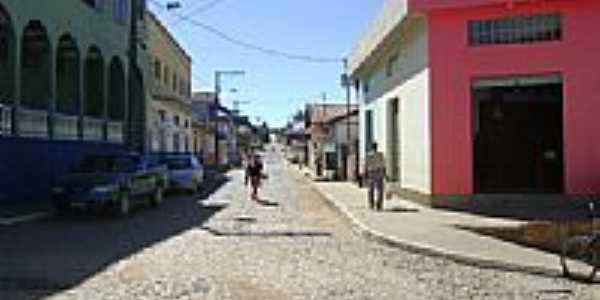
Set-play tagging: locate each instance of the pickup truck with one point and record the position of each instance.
(114, 182)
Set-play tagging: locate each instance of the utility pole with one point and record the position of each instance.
(218, 75)
(217, 108)
(134, 106)
(346, 84)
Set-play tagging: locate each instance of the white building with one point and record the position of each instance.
(390, 66)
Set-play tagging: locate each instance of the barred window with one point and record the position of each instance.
(157, 69)
(515, 30)
(390, 68)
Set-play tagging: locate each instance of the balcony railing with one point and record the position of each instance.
(115, 132)
(33, 123)
(5, 120)
(65, 127)
(93, 129)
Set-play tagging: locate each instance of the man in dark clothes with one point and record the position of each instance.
(254, 173)
(376, 178)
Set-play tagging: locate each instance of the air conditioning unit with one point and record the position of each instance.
(5, 120)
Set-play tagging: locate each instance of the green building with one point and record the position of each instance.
(67, 85)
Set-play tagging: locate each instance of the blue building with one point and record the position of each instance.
(68, 88)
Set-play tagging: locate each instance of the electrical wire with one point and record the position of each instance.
(198, 10)
(252, 46)
(255, 47)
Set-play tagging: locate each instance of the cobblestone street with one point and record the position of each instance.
(292, 245)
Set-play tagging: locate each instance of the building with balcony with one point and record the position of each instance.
(482, 96)
(204, 112)
(170, 128)
(64, 87)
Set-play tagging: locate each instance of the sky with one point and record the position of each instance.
(273, 87)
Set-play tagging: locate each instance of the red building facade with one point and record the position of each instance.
(517, 81)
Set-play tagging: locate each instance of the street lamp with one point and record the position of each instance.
(346, 84)
(218, 75)
(173, 5)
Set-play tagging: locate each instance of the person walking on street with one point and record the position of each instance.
(375, 178)
(254, 174)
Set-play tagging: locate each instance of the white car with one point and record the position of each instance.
(185, 172)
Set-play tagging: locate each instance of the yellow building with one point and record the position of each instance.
(170, 111)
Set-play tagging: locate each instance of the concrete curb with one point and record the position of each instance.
(429, 250)
(25, 218)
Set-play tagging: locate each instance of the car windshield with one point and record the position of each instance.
(179, 163)
(104, 164)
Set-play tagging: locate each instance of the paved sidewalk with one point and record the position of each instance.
(426, 230)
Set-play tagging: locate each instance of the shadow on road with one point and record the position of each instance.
(521, 207)
(265, 234)
(267, 203)
(214, 183)
(48, 257)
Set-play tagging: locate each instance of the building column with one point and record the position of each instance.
(81, 96)
(107, 77)
(125, 120)
(17, 87)
(53, 94)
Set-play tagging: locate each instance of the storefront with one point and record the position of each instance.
(483, 96)
(513, 97)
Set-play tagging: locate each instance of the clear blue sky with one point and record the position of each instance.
(275, 86)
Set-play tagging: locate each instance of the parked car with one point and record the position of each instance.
(186, 172)
(160, 169)
(115, 182)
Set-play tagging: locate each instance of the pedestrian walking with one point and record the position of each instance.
(375, 178)
(254, 175)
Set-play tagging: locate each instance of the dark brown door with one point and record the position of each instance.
(519, 139)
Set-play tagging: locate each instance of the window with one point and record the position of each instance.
(35, 45)
(162, 116)
(91, 3)
(187, 124)
(97, 4)
(174, 82)
(390, 68)
(157, 69)
(175, 142)
(515, 30)
(167, 76)
(4, 43)
(369, 129)
(182, 85)
(141, 9)
(120, 12)
(176, 120)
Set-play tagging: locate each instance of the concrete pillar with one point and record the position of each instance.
(81, 94)
(126, 121)
(53, 91)
(105, 100)
(17, 85)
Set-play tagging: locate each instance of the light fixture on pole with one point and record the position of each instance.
(346, 84)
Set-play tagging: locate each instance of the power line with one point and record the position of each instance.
(198, 10)
(252, 46)
(255, 47)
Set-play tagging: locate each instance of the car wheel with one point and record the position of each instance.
(123, 207)
(194, 189)
(157, 197)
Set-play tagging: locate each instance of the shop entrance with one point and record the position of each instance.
(518, 135)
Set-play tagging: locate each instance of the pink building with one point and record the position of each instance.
(501, 97)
